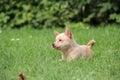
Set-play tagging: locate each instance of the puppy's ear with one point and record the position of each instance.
(68, 33)
(56, 32)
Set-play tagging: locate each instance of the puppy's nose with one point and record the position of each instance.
(53, 45)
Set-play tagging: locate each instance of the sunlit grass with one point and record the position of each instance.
(30, 52)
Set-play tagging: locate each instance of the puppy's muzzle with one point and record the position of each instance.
(53, 45)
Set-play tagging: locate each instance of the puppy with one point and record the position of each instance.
(66, 43)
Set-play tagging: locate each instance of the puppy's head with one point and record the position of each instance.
(63, 40)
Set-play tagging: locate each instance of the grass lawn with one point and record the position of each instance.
(29, 51)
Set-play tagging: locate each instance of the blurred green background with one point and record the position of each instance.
(57, 13)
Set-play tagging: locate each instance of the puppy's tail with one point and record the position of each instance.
(91, 43)
(21, 76)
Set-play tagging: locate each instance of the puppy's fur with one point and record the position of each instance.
(70, 49)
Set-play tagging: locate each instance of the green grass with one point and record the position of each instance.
(33, 55)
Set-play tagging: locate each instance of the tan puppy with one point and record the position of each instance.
(70, 49)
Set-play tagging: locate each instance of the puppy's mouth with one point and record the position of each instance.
(55, 47)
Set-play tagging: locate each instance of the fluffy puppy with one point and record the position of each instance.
(66, 43)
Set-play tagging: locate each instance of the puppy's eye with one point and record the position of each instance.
(60, 39)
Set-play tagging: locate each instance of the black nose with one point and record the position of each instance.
(53, 45)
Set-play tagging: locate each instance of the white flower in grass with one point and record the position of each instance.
(12, 39)
(17, 39)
